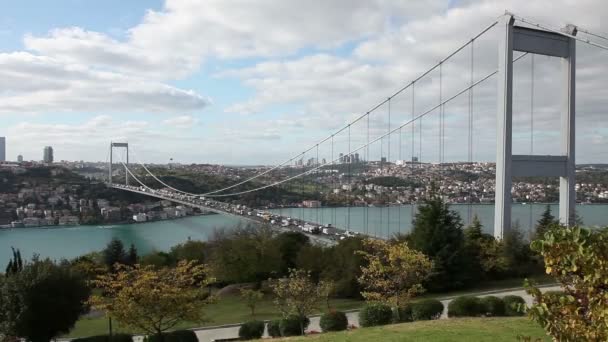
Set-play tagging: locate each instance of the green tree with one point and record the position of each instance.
(190, 250)
(251, 298)
(482, 250)
(290, 244)
(132, 257)
(546, 222)
(393, 273)
(437, 233)
(297, 295)
(154, 300)
(576, 257)
(114, 253)
(244, 255)
(42, 301)
(15, 264)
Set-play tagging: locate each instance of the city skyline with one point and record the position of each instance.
(243, 97)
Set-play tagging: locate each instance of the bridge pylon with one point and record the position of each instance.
(534, 41)
(119, 145)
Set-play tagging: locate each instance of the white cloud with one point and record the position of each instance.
(184, 121)
(38, 84)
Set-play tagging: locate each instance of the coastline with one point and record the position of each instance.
(124, 222)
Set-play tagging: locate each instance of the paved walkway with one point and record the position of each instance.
(232, 331)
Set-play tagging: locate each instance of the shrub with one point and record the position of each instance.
(333, 321)
(403, 314)
(465, 306)
(175, 336)
(293, 325)
(512, 304)
(274, 328)
(375, 314)
(493, 306)
(106, 338)
(251, 330)
(426, 309)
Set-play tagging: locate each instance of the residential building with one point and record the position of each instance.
(2, 149)
(48, 155)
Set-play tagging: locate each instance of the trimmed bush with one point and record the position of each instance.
(493, 306)
(426, 309)
(333, 321)
(375, 314)
(403, 314)
(106, 338)
(511, 305)
(175, 336)
(251, 330)
(293, 325)
(465, 306)
(274, 328)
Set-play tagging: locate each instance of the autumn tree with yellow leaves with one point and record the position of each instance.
(578, 259)
(154, 300)
(393, 272)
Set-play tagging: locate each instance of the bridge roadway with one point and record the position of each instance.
(222, 208)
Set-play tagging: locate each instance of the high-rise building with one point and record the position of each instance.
(48, 155)
(20, 159)
(2, 149)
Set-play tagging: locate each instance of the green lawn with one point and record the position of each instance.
(227, 310)
(445, 330)
(231, 309)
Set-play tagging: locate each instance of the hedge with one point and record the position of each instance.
(274, 328)
(426, 309)
(251, 330)
(333, 321)
(175, 336)
(465, 306)
(512, 305)
(106, 338)
(293, 325)
(493, 306)
(375, 314)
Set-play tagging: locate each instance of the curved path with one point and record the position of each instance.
(232, 331)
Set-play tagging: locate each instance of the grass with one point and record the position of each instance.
(497, 329)
(231, 309)
(227, 310)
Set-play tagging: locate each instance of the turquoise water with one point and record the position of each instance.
(385, 221)
(69, 242)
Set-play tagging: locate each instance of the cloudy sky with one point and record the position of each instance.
(255, 82)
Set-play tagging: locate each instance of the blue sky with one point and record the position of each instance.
(242, 82)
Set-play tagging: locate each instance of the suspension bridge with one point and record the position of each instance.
(412, 129)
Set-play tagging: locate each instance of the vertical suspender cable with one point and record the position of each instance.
(413, 141)
(470, 157)
(388, 168)
(367, 165)
(350, 185)
(399, 202)
(440, 171)
(335, 181)
(317, 185)
(531, 227)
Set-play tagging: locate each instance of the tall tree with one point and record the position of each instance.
(393, 273)
(42, 301)
(132, 257)
(546, 222)
(114, 253)
(15, 264)
(437, 233)
(154, 300)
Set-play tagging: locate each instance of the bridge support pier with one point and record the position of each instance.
(112, 145)
(524, 39)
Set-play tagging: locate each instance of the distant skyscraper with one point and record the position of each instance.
(20, 158)
(2, 149)
(48, 155)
